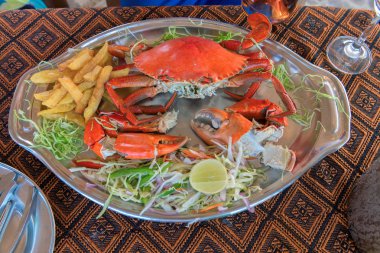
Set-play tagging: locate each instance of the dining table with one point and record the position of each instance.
(308, 216)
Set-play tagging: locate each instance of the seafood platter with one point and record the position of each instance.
(179, 119)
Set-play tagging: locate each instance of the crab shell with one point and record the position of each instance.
(190, 59)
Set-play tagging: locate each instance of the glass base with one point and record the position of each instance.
(346, 56)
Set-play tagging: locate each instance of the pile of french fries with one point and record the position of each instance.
(78, 85)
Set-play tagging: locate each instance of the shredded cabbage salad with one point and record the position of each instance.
(164, 183)
(62, 138)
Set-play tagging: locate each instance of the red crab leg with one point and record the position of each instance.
(119, 51)
(286, 99)
(147, 146)
(250, 92)
(256, 55)
(153, 109)
(233, 45)
(127, 81)
(255, 64)
(123, 125)
(130, 66)
(260, 30)
(140, 94)
(131, 81)
(239, 80)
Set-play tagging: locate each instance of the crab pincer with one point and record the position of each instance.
(216, 125)
(147, 146)
(261, 28)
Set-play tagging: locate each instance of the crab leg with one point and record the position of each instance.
(123, 82)
(130, 66)
(119, 51)
(255, 64)
(280, 90)
(153, 109)
(241, 79)
(286, 99)
(147, 146)
(115, 121)
(260, 30)
(250, 92)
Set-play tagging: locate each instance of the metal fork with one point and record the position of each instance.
(8, 185)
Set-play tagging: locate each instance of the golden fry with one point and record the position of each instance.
(62, 66)
(42, 96)
(67, 99)
(46, 76)
(84, 101)
(71, 88)
(97, 93)
(92, 75)
(69, 73)
(98, 58)
(81, 59)
(119, 73)
(57, 109)
(57, 95)
(86, 85)
(70, 116)
(107, 60)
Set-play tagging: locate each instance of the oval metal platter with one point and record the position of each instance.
(39, 233)
(310, 145)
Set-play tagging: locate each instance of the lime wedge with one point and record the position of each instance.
(208, 176)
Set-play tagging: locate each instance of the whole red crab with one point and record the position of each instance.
(192, 67)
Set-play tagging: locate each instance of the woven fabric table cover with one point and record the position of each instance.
(309, 216)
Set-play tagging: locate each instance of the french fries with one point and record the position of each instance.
(77, 85)
(43, 96)
(81, 59)
(119, 73)
(93, 75)
(71, 88)
(67, 99)
(57, 109)
(46, 76)
(84, 101)
(57, 95)
(70, 116)
(97, 93)
(100, 57)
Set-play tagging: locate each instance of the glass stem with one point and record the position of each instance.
(362, 38)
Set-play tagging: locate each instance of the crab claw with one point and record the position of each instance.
(213, 124)
(260, 30)
(260, 110)
(96, 139)
(147, 146)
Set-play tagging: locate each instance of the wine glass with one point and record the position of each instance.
(351, 55)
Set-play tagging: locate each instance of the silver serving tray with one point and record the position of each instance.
(39, 233)
(310, 146)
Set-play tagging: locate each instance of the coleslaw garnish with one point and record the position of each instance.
(165, 184)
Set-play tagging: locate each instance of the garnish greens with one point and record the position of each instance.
(161, 184)
(64, 139)
(175, 32)
(305, 116)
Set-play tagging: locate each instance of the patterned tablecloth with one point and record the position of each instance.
(308, 216)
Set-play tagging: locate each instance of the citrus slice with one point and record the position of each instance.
(208, 176)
